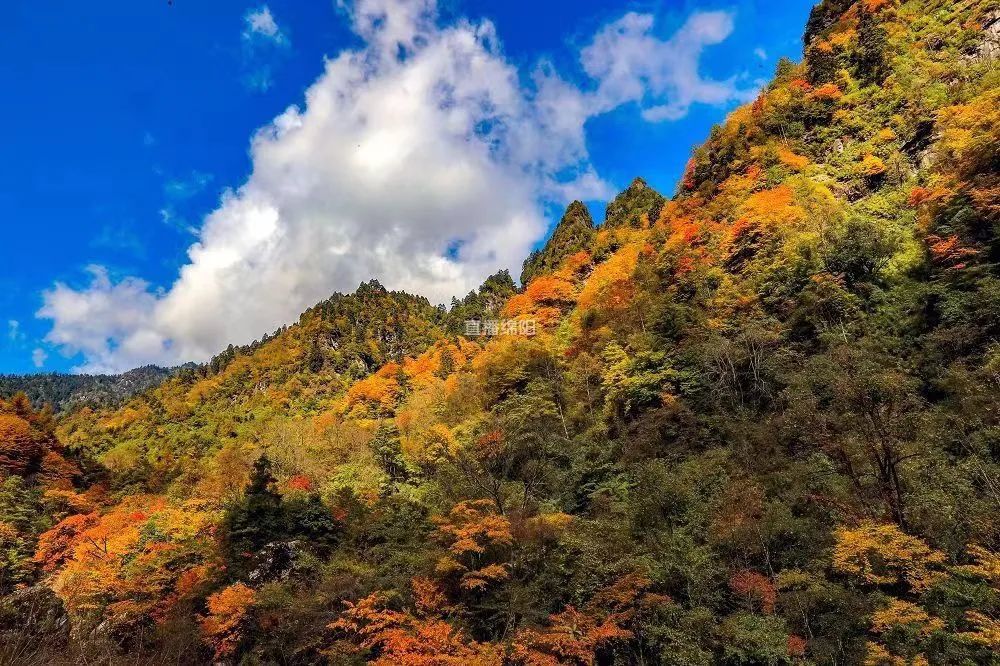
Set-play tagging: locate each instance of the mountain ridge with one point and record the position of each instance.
(749, 424)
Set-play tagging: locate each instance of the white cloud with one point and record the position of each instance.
(38, 357)
(264, 42)
(424, 139)
(14, 330)
(109, 323)
(632, 64)
(760, 53)
(169, 216)
(260, 78)
(260, 24)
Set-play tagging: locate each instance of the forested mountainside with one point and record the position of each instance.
(755, 423)
(63, 391)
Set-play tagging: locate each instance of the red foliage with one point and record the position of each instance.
(572, 637)
(300, 482)
(477, 538)
(227, 616)
(549, 290)
(796, 646)
(828, 91)
(57, 472)
(577, 263)
(427, 597)
(800, 84)
(757, 589)
(399, 639)
(474, 526)
(56, 546)
(687, 182)
(876, 5)
(949, 252)
(922, 195)
(490, 446)
(18, 448)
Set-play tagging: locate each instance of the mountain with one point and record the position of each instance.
(753, 423)
(573, 233)
(67, 391)
(636, 207)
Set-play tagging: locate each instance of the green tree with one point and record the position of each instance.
(257, 518)
(870, 55)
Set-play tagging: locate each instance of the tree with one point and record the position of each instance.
(386, 447)
(573, 233)
(397, 638)
(228, 615)
(307, 517)
(477, 538)
(881, 554)
(132, 565)
(870, 54)
(20, 451)
(314, 358)
(258, 518)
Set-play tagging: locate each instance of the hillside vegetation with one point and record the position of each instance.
(64, 392)
(757, 423)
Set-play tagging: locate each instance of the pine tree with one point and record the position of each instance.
(258, 518)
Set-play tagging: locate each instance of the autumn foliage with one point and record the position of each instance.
(228, 612)
(756, 423)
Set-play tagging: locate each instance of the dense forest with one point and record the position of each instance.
(62, 391)
(754, 423)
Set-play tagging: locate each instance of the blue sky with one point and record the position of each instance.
(127, 121)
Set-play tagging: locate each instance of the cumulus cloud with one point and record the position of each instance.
(109, 323)
(422, 159)
(38, 357)
(14, 333)
(662, 75)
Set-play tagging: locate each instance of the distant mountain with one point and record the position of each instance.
(64, 391)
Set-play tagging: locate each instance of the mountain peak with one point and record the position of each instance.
(572, 234)
(636, 206)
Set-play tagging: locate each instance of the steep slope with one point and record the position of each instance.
(637, 206)
(574, 232)
(756, 423)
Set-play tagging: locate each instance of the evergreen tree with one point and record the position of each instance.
(258, 518)
(870, 57)
(388, 452)
(314, 358)
(308, 518)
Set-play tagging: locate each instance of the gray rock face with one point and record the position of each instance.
(275, 561)
(990, 48)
